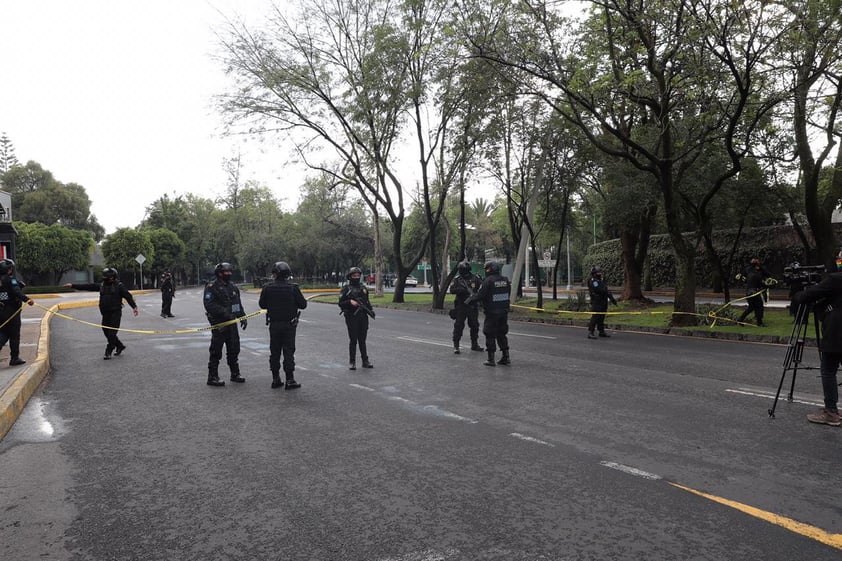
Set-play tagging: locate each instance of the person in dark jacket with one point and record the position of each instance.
(464, 285)
(11, 299)
(112, 292)
(600, 296)
(356, 307)
(282, 301)
(494, 294)
(222, 303)
(755, 276)
(167, 294)
(828, 297)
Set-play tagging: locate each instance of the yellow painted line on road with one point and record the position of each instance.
(817, 534)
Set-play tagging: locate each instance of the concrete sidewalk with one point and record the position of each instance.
(19, 383)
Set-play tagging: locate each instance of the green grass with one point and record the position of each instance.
(575, 310)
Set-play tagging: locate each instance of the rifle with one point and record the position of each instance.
(364, 307)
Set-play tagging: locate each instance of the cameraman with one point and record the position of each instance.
(829, 292)
(755, 276)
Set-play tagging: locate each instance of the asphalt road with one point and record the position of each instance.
(581, 450)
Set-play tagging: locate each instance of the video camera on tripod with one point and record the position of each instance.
(798, 277)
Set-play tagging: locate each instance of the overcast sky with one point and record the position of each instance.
(117, 96)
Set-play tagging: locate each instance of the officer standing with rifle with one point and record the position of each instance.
(463, 286)
(282, 301)
(355, 305)
(757, 279)
(494, 294)
(222, 303)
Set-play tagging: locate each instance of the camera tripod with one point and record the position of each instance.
(795, 350)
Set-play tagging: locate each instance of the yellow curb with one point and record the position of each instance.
(16, 396)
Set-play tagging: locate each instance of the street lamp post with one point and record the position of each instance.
(568, 259)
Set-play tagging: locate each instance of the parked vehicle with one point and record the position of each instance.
(411, 281)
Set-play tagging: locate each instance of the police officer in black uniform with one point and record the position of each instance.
(600, 295)
(464, 285)
(11, 298)
(755, 276)
(112, 292)
(167, 294)
(222, 303)
(355, 305)
(494, 294)
(282, 301)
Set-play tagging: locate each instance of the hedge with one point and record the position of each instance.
(776, 246)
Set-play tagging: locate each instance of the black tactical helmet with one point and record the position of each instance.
(353, 270)
(6, 265)
(223, 268)
(109, 273)
(492, 268)
(595, 271)
(464, 268)
(281, 268)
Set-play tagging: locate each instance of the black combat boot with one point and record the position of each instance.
(490, 361)
(367, 364)
(505, 359)
(475, 346)
(235, 374)
(291, 383)
(213, 378)
(352, 365)
(456, 346)
(276, 380)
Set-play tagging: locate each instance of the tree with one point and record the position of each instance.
(45, 253)
(38, 197)
(8, 160)
(168, 250)
(654, 83)
(813, 53)
(121, 247)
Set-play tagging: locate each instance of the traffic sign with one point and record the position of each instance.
(548, 263)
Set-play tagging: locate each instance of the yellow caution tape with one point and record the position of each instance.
(11, 317)
(153, 331)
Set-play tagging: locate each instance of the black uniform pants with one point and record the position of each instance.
(166, 303)
(357, 324)
(11, 333)
(281, 341)
(597, 320)
(469, 314)
(755, 304)
(495, 328)
(230, 338)
(111, 319)
(829, 367)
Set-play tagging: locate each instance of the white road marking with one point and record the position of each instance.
(359, 387)
(530, 439)
(772, 396)
(426, 341)
(530, 335)
(630, 470)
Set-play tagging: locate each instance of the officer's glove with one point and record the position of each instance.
(614, 302)
(372, 314)
(244, 323)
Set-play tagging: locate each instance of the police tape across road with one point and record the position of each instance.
(710, 315)
(152, 331)
(713, 314)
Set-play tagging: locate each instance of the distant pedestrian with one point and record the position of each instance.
(494, 294)
(112, 292)
(222, 304)
(355, 305)
(167, 294)
(600, 295)
(465, 285)
(756, 277)
(282, 301)
(11, 299)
